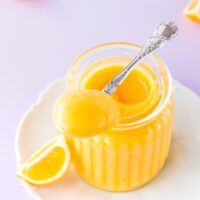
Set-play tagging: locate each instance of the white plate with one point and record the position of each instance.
(179, 179)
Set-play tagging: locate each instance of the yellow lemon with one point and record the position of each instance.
(192, 10)
(48, 164)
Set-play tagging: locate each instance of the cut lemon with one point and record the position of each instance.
(192, 10)
(48, 164)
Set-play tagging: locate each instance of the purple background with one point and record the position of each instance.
(40, 39)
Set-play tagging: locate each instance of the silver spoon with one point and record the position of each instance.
(162, 33)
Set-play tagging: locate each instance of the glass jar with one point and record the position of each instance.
(132, 153)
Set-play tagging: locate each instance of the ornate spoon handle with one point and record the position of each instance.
(162, 33)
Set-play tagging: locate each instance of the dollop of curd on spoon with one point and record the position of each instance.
(85, 113)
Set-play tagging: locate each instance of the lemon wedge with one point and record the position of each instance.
(192, 10)
(48, 164)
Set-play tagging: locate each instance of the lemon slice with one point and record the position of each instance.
(48, 164)
(192, 10)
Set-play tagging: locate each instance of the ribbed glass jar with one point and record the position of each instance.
(131, 154)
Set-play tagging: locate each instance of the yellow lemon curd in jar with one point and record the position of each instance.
(132, 153)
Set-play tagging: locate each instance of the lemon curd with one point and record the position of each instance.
(73, 111)
(132, 153)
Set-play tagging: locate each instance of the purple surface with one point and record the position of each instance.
(40, 39)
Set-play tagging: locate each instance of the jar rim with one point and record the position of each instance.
(102, 47)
